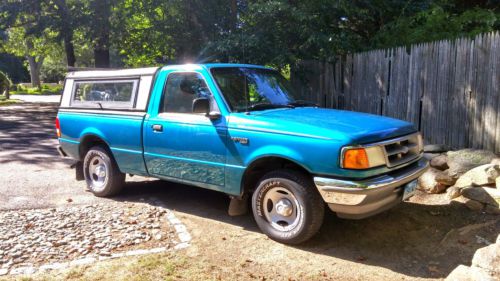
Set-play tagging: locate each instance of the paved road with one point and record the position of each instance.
(38, 98)
(408, 242)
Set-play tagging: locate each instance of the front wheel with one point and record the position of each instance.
(287, 207)
(101, 173)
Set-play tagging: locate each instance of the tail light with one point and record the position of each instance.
(58, 128)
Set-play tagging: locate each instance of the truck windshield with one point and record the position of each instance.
(250, 89)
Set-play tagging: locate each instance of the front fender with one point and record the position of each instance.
(279, 152)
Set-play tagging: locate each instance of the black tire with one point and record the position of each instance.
(99, 159)
(307, 203)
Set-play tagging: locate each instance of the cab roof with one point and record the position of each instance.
(149, 71)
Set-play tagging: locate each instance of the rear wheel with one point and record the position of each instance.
(101, 173)
(287, 207)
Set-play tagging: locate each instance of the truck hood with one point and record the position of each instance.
(346, 126)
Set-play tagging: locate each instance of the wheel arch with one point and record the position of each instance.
(262, 165)
(90, 140)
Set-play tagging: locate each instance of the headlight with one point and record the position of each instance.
(362, 157)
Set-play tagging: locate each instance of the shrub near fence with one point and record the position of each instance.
(449, 89)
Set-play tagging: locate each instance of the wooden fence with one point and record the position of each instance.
(449, 89)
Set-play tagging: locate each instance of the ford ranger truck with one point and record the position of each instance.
(241, 130)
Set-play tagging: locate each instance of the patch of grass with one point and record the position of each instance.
(47, 89)
(154, 267)
(4, 101)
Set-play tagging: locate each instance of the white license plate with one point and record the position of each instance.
(410, 189)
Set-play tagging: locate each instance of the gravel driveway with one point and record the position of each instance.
(418, 239)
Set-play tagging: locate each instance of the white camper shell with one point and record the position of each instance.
(124, 89)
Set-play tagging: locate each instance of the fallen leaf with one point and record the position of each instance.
(361, 258)
(433, 268)
(29, 226)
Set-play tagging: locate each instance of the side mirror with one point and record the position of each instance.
(202, 105)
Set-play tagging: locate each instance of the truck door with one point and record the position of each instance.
(181, 145)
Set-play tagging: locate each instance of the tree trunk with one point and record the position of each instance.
(70, 50)
(102, 12)
(234, 14)
(7, 92)
(34, 67)
(101, 57)
(66, 30)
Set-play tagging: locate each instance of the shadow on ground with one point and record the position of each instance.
(27, 134)
(409, 239)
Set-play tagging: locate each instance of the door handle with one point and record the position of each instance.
(157, 128)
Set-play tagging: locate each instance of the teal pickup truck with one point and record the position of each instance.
(241, 130)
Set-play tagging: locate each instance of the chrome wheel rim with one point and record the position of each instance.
(98, 173)
(281, 209)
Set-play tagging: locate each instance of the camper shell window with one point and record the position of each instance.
(105, 93)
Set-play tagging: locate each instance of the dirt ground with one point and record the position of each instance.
(425, 238)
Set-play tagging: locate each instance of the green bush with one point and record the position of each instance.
(5, 82)
(47, 89)
(52, 73)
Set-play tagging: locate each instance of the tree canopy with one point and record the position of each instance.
(52, 34)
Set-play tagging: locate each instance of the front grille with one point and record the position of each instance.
(402, 150)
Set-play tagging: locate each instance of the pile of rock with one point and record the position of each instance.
(44, 236)
(485, 265)
(468, 176)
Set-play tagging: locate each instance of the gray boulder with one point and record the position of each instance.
(440, 162)
(495, 161)
(461, 161)
(472, 205)
(453, 192)
(486, 195)
(488, 258)
(479, 176)
(427, 182)
(465, 273)
(445, 179)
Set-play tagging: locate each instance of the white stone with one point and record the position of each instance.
(4, 271)
(82, 261)
(136, 252)
(181, 246)
(184, 236)
(180, 228)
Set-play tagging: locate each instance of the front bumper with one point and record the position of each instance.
(364, 198)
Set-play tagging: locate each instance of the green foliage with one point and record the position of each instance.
(53, 73)
(13, 66)
(54, 68)
(282, 32)
(152, 32)
(436, 24)
(278, 33)
(46, 89)
(5, 82)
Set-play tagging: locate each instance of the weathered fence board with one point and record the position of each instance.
(449, 89)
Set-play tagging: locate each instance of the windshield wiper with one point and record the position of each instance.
(303, 103)
(264, 106)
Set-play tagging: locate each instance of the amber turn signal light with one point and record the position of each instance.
(355, 158)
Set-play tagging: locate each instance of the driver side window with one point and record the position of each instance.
(180, 91)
